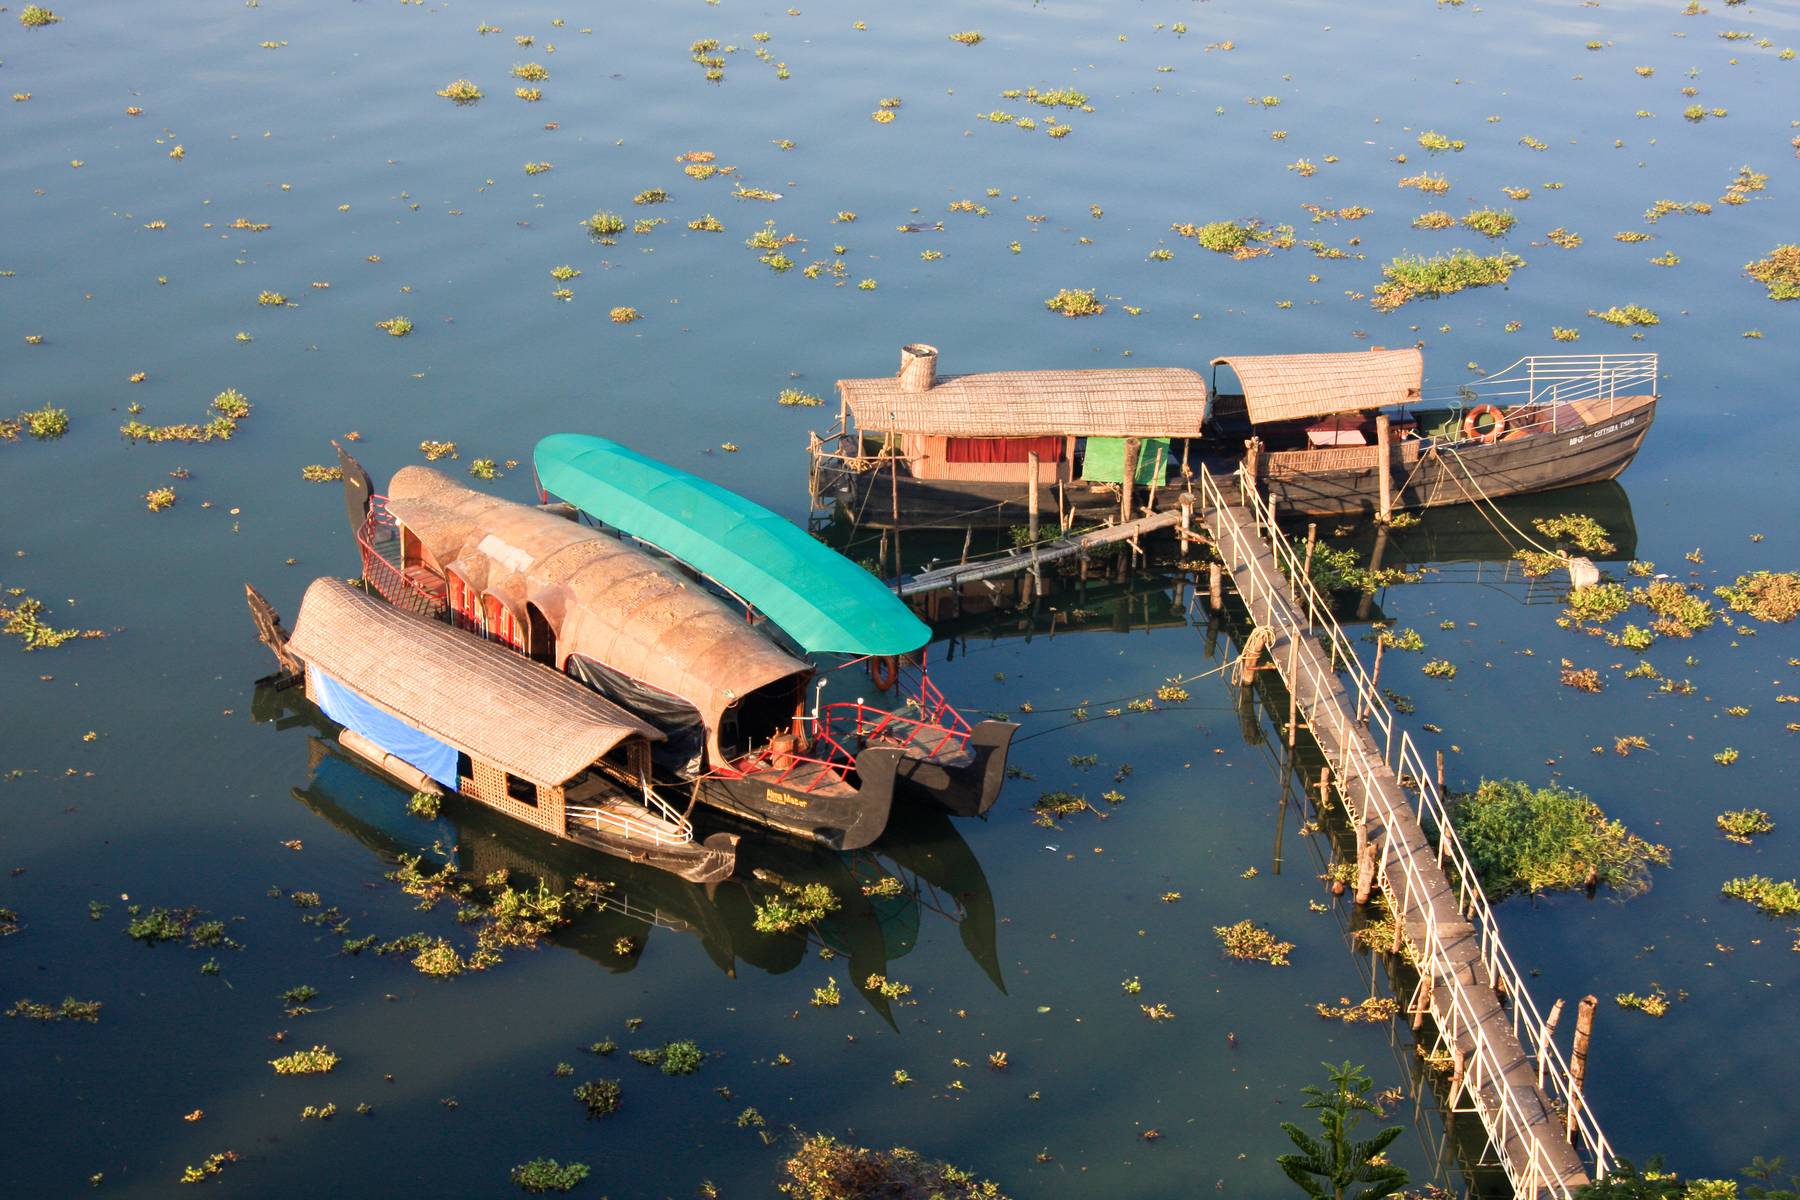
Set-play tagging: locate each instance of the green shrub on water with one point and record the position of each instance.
(1490, 222)
(1075, 302)
(46, 423)
(605, 224)
(33, 16)
(1778, 899)
(317, 1061)
(425, 804)
(1772, 596)
(547, 1175)
(601, 1096)
(1679, 613)
(1249, 941)
(1598, 603)
(1742, 824)
(1525, 839)
(1578, 530)
(1779, 272)
(681, 1058)
(793, 906)
(1630, 314)
(823, 1168)
(1418, 277)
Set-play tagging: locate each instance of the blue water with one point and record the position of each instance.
(181, 798)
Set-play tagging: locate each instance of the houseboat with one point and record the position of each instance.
(1357, 434)
(826, 606)
(730, 704)
(438, 711)
(1351, 433)
(1001, 448)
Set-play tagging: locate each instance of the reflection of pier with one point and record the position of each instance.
(1505, 1067)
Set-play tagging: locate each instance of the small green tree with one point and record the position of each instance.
(1328, 1168)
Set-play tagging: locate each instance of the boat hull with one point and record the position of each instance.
(840, 821)
(970, 787)
(1590, 453)
(706, 861)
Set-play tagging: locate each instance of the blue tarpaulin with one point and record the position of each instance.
(390, 733)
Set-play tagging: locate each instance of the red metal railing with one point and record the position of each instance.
(421, 592)
(785, 765)
(926, 719)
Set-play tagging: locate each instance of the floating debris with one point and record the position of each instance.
(1249, 941)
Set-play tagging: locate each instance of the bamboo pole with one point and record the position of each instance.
(1293, 683)
(1031, 493)
(1385, 467)
(1312, 538)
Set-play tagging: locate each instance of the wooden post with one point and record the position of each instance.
(1293, 683)
(1578, 1056)
(1374, 684)
(1129, 483)
(1031, 494)
(1186, 505)
(1252, 463)
(894, 502)
(1156, 475)
(1423, 1004)
(1440, 787)
(1376, 556)
(1457, 1066)
(812, 470)
(1215, 586)
(1384, 465)
(1544, 1041)
(968, 537)
(1312, 538)
(1365, 863)
(1065, 516)
(1324, 788)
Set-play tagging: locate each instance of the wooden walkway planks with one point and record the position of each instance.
(1474, 995)
(1029, 558)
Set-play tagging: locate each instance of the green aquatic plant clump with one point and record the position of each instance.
(1598, 603)
(34, 16)
(1679, 612)
(1630, 314)
(1772, 596)
(1742, 824)
(1778, 899)
(1251, 942)
(317, 1061)
(604, 224)
(794, 905)
(1418, 277)
(1525, 839)
(1490, 222)
(1075, 302)
(601, 1096)
(1578, 530)
(46, 423)
(1779, 272)
(547, 1175)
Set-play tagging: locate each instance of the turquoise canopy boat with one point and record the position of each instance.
(821, 599)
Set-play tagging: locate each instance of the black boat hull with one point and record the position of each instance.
(838, 822)
(970, 788)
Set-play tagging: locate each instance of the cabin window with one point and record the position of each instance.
(1002, 450)
(521, 790)
(499, 625)
(465, 612)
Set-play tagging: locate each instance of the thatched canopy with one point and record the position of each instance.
(1283, 387)
(607, 600)
(1140, 402)
(493, 705)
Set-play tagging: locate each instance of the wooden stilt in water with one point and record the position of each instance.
(1031, 494)
(968, 537)
(1422, 1004)
(1324, 788)
(1128, 484)
(1440, 784)
(1293, 682)
(1365, 866)
(1366, 704)
(1312, 538)
(1065, 516)
(1578, 1055)
(1215, 586)
(1549, 1033)
(1457, 1067)
(1186, 505)
(1367, 600)
(1384, 460)
(1156, 474)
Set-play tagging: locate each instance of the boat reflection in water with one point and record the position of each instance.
(935, 870)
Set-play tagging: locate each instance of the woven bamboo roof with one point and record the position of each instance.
(1139, 401)
(488, 702)
(1282, 387)
(607, 599)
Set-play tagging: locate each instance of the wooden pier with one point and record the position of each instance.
(1504, 1066)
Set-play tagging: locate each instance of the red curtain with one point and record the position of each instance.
(1002, 450)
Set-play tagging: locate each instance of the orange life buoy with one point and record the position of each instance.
(883, 671)
(1472, 423)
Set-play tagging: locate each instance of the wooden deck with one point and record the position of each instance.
(1505, 1067)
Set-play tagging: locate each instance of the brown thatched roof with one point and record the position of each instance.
(608, 600)
(490, 703)
(1140, 401)
(1282, 387)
